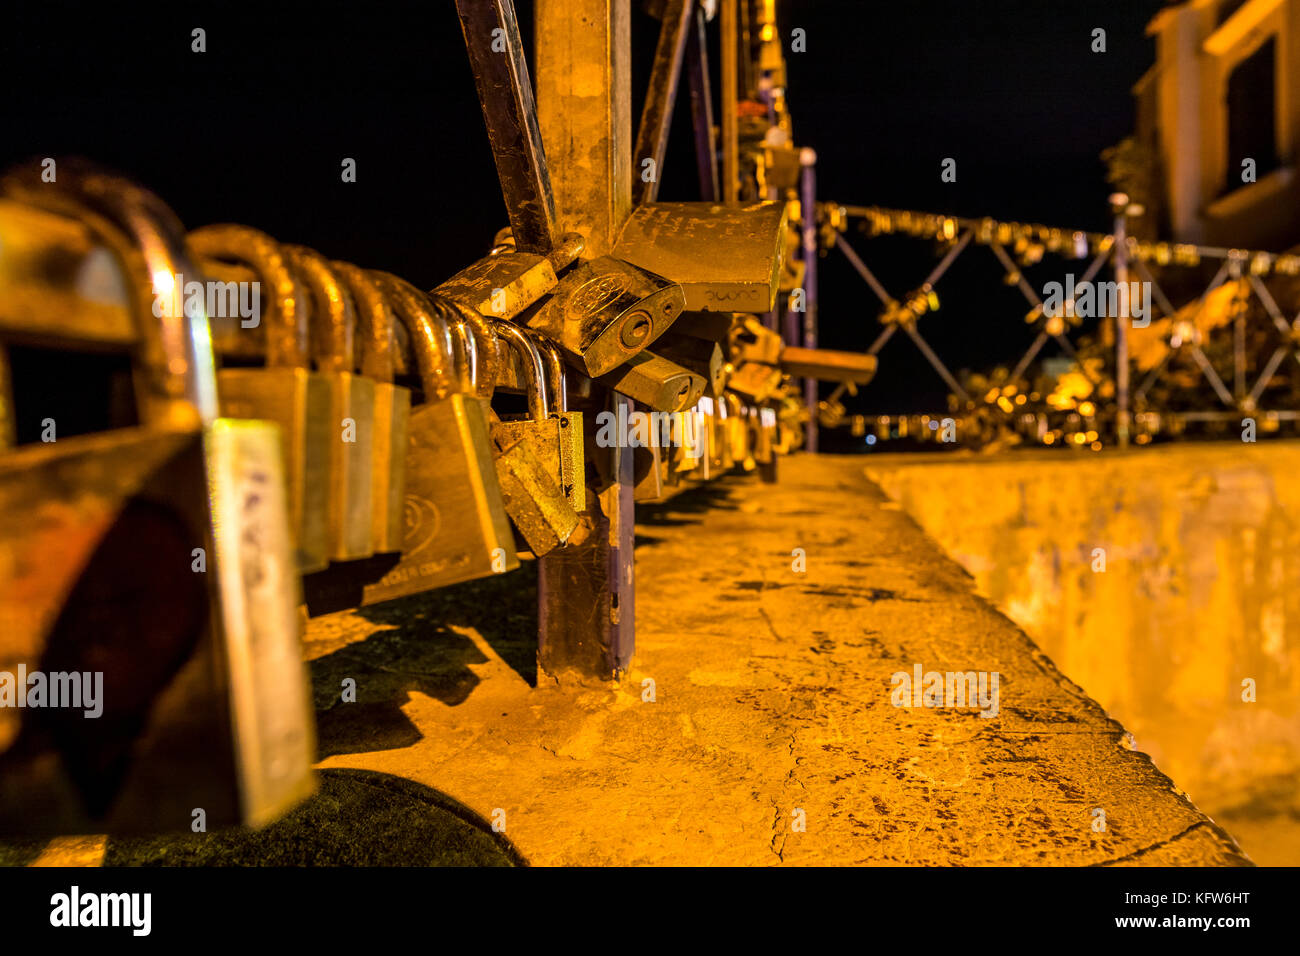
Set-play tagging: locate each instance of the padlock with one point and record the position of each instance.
(719, 438)
(738, 415)
(704, 416)
(149, 568)
(763, 425)
(647, 463)
(392, 407)
(655, 382)
(456, 527)
(568, 460)
(351, 411)
(702, 357)
(505, 283)
(286, 391)
(533, 497)
(605, 311)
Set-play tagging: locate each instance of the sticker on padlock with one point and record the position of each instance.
(392, 408)
(351, 410)
(456, 527)
(285, 391)
(156, 577)
(605, 311)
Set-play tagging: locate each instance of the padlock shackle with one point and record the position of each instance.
(458, 313)
(374, 335)
(531, 364)
(176, 349)
(287, 344)
(430, 336)
(332, 315)
(555, 372)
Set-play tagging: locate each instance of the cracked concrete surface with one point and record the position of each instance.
(771, 707)
(771, 696)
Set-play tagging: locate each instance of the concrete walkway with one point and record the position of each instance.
(772, 706)
(771, 737)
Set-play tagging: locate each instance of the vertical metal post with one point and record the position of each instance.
(706, 148)
(584, 106)
(808, 215)
(1120, 203)
(496, 55)
(730, 103)
(657, 111)
(586, 590)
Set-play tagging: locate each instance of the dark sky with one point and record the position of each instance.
(253, 131)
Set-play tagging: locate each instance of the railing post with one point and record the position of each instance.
(808, 215)
(1119, 204)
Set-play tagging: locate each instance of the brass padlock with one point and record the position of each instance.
(392, 408)
(564, 453)
(147, 574)
(351, 411)
(286, 391)
(647, 465)
(533, 497)
(655, 382)
(704, 415)
(605, 311)
(763, 423)
(456, 527)
(720, 439)
(738, 419)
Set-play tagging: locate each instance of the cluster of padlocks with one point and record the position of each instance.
(337, 440)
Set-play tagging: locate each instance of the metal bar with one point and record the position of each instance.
(1121, 327)
(1025, 288)
(1161, 299)
(881, 339)
(1093, 238)
(1269, 368)
(657, 111)
(584, 105)
(586, 607)
(1270, 305)
(808, 242)
(506, 95)
(1212, 376)
(1154, 374)
(842, 244)
(706, 148)
(935, 362)
(1029, 355)
(730, 105)
(937, 272)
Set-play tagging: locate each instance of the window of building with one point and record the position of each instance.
(1251, 105)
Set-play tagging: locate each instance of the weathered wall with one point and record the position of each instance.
(1201, 590)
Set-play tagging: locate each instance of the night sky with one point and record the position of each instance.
(254, 130)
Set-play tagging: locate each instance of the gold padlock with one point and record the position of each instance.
(392, 407)
(456, 527)
(352, 406)
(560, 443)
(149, 571)
(286, 391)
(533, 498)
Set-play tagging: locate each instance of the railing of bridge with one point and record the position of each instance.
(1146, 367)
